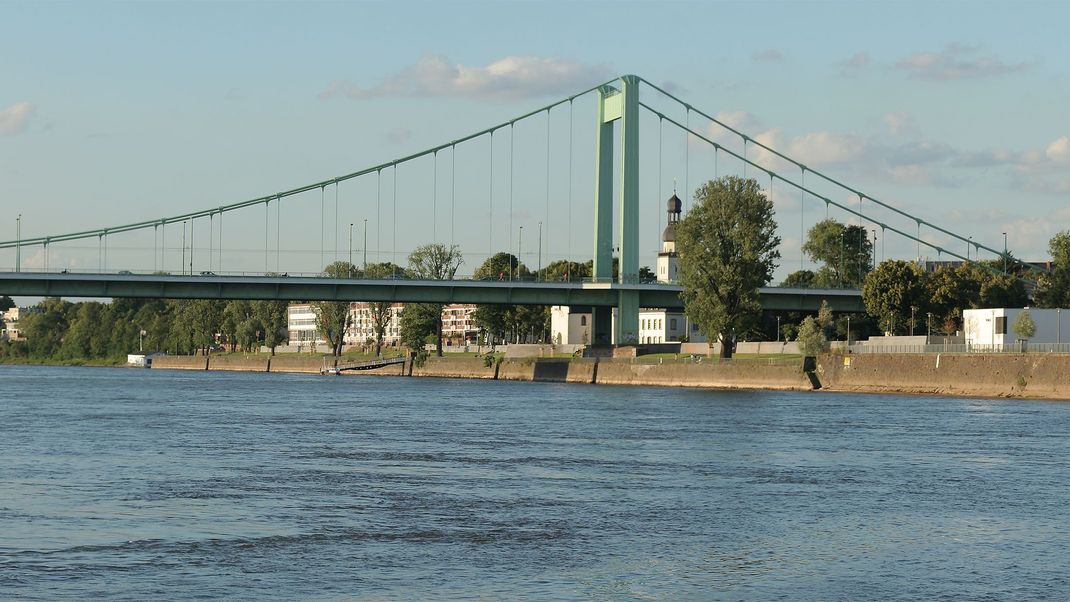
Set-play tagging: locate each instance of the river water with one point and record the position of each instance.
(149, 484)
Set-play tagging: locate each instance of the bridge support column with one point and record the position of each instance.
(615, 104)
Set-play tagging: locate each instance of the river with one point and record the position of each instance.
(149, 484)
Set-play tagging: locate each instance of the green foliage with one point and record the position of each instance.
(1024, 326)
(846, 251)
(727, 248)
(811, 339)
(518, 322)
(891, 290)
(799, 279)
(825, 320)
(6, 303)
(565, 271)
(420, 358)
(418, 321)
(488, 360)
(1053, 288)
(435, 261)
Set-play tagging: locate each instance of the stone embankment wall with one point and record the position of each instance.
(1004, 375)
(1036, 375)
(180, 362)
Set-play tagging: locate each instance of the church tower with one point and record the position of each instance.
(666, 264)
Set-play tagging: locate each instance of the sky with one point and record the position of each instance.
(112, 113)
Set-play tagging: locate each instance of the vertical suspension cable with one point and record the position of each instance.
(211, 239)
(155, 232)
(434, 200)
(744, 157)
(323, 223)
(512, 138)
(336, 220)
(278, 231)
(378, 215)
(490, 202)
(716, 156)
(163, 246)
(394, 220)
(267, 214)
(219, 261)
(802, 215)
(687, 160)
(919, 241)
(568, 268)
(106, 249)
(453, 191)
(661, 189)
(861, 244)
(546, 211)
(100, 253)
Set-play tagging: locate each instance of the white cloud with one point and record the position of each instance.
(506, 78)
(954, 63)
(13, 119)
(900, 124)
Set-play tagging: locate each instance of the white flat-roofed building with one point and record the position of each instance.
(301, 325)
(996, 326)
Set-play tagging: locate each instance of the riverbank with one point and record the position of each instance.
(1037, 376)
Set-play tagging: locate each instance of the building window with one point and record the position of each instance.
(1001, 325)
(672, 324)
(583, 320)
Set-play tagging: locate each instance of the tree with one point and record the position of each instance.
(565, 271)
(6, 303)
(811, 339)
(379, 311)
(333, 317)
(1024, 326)
(891, 290)
(435, 261)
(727, 248)
(418, 322)
(1053, 288)
(846, 251)
(271, 314)
(799, 279)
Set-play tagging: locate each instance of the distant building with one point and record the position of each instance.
(11, 321)
(458, 325)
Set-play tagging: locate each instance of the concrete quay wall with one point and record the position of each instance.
(180, 362)
(1039, 375)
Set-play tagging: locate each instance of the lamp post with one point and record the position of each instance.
(18, 243)
(1004, 252)
(968, 243)
(913, 308)
(841, 259)
(928, 326)
(873, 251)
(778, 329)
(848, 333)
(351, 249)
(519, 251)
(140, 334)
(183, 247)
(1059, 319)
(540, 253)
(365, 245)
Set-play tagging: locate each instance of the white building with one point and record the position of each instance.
(11, 321)
(569, 327)
(301, 325)
(996, 326)
(458, 325)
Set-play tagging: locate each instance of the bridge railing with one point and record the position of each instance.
(963, 348)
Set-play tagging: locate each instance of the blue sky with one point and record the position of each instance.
(118, 112)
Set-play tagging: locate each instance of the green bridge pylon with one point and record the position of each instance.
(614, 104)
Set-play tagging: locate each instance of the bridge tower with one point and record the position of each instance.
(614, 104)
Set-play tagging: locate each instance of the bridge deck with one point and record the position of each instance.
(600, 294)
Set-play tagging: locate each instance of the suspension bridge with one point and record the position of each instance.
(475, 180)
